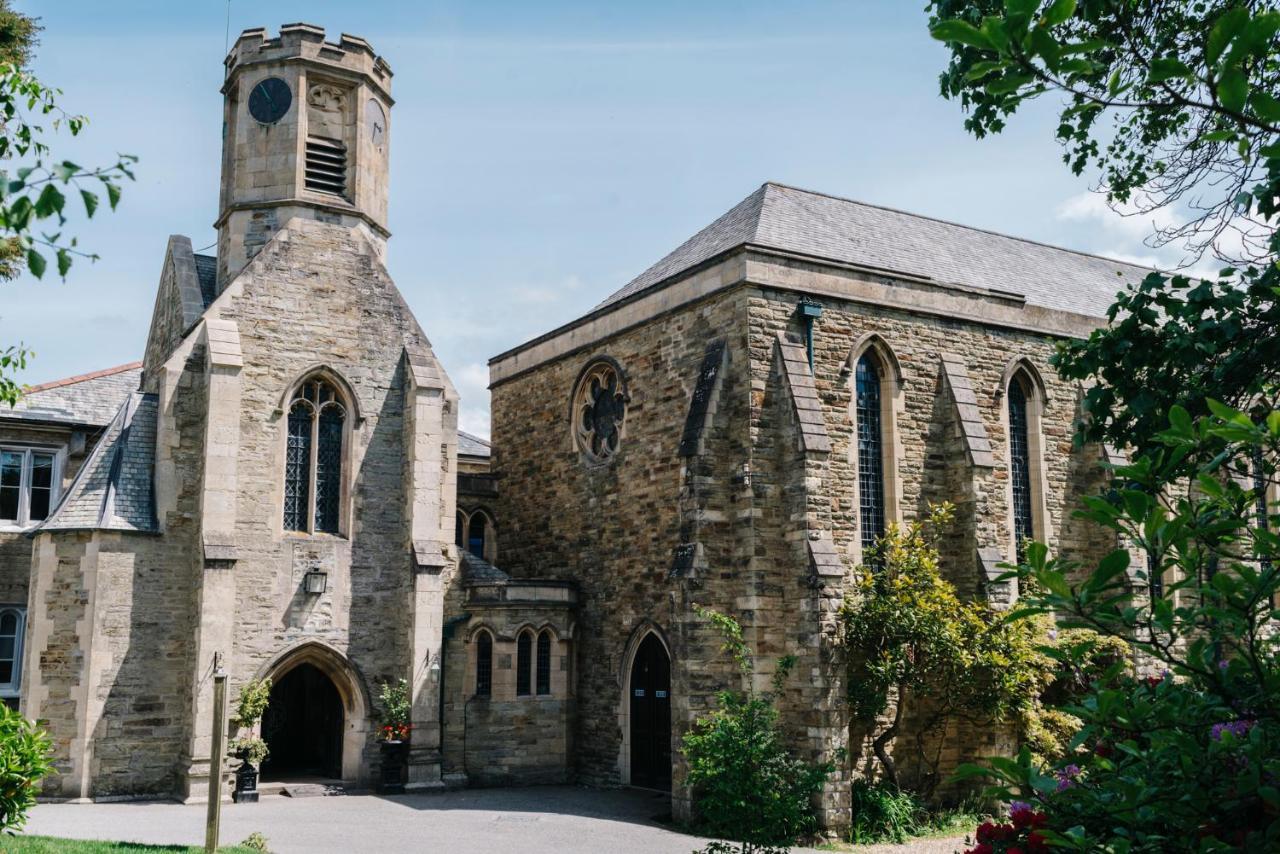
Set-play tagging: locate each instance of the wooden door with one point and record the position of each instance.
(651, 716)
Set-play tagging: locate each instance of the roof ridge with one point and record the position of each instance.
(79, 378)
(953, 223)
(474, 437)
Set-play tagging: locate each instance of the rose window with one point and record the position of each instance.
(600, 410)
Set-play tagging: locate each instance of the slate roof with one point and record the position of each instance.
(113, 490)
(90, 400)
(826, 227)
(207, 275)
(473, 446)
(479, 571)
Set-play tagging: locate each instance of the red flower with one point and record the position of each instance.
(984, 833)
(1039, 820)
(982, 848)
(1014, 850)
(1036, 842)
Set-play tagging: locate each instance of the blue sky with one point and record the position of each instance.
(542, 153)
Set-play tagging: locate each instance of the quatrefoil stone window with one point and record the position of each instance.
(600, 410)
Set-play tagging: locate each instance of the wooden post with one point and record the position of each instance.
(218, 748)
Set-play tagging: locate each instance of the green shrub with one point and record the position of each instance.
(24, 761)
(882, 813)
(746, 784)
(250, 750)
(255, 841)
(252, 703)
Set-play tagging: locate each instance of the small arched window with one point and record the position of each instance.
(477, 533)
(484, 664)
(460, 531)
(11, 625)
(544, 662)
(871, 504)
(1020, 465)
(524, 662)
(314, 459)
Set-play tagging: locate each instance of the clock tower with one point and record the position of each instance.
(305, 133)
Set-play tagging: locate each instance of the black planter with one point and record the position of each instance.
(246, 790)
(395, 767)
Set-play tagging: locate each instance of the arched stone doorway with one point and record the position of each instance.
(303, 726)
(647, 713)
(317, 722)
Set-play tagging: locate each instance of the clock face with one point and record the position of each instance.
(270, 100)
(376, 120)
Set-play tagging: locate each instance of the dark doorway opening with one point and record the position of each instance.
(303, 727)
(651, 716)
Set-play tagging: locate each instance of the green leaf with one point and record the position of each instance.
(49, 202)
(64, 262)
(65, 170)
(113, 194)
(90, 202)
(1008, 84)
(1227, 28)
(1232, 89)
(1265, 107)
(1109, 567)
(36, 263)
(1180, 420)
(1166, 68)
(955, 30)
(1059, 12)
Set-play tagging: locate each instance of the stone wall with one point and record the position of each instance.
(614, 528)
(755, 512)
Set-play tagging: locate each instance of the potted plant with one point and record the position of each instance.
(249, 749)
(393, 734)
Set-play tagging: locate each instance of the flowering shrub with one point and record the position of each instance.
(1188, 760)
(1022, 834)
(396, 711)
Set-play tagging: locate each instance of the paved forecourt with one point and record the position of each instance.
(539, 820)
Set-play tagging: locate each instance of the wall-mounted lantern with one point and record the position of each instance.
(315, 582)
(809, 311)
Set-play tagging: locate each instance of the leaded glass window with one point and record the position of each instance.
(524, 659)
(12, 620)
(476, 534)
(600, 410)
(1020, 466)
(871, 509)
(484, 665)
(544, 662)
(27, 485)
(314, 459)
(297, 468)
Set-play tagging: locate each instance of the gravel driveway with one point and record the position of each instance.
(543, 820)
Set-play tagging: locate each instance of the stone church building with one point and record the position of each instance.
(280, 485)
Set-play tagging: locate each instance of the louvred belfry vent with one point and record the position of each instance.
(326, 165)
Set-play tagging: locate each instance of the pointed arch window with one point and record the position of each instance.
(524, 661)
(1020, 465)
(314, 457)
(484, 664)
(870, 438)
(544, 663)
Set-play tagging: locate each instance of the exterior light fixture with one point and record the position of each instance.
(315, 582)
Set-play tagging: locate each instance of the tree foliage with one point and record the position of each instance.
(910, 638)
(747, 786)
(1175, 106)
(35, 186)
(251, 705)
(1187, 759)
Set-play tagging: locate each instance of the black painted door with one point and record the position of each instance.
(303, 726)
(651, 716)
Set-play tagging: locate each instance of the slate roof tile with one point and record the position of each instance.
(844, 231)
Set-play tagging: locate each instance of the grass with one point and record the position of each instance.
(50, 845)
